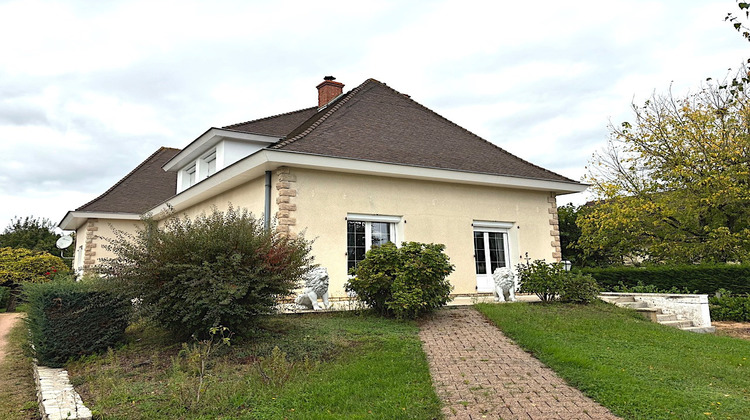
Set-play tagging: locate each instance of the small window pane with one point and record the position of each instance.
(355, 238)
(211, 166)
(497, 250)
(381, 233)
(191, 175)
(479, 255)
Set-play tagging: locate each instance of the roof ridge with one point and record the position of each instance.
(128, 175)
(267, 118)
(408, 97)
(338, 104)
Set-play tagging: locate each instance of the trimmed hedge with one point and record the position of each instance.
(69, 319)
(701, 278)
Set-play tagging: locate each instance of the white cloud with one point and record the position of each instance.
(90, 89)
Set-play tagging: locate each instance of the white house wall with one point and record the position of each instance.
(431, 212)
(235, 150)
(249, 195)
(91, 239)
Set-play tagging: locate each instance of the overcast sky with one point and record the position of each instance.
(89, 89)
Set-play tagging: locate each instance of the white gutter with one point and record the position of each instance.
(74, 219)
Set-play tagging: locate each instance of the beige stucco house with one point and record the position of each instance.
(363, 167)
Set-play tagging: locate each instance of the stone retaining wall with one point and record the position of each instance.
(688, 307)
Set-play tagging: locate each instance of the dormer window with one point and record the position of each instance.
(211, 153)
(210, 163)
(190, 177)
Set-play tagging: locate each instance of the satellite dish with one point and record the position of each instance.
(64, 242)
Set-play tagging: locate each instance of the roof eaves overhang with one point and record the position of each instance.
(256, 164)
(211, 138)
(75, 219)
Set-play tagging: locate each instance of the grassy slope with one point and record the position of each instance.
(638, 369)
(17, 389)
(357, 367)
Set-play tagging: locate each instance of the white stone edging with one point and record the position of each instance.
(57, 398)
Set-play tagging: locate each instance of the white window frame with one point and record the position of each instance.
(79, 259)
(206, 163)
(393, 222)
(186, 175)
(484, 281)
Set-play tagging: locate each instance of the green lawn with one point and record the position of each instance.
(638, 369)
(337, 366)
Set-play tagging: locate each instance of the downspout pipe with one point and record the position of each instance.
(267, 207)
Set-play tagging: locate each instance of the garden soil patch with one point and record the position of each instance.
(734, 329)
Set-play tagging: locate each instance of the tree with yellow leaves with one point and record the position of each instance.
(674, 185)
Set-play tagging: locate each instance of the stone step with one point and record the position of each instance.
(701, 330)
(681, 324)
(666, 317)
(649, 312)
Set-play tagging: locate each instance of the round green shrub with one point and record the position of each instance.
(404, 282)
(579, 288)
(542, 279)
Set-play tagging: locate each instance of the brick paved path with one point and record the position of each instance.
(480, 373)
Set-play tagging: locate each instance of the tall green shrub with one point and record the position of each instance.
(221, 268)
(404, 282)
(69, 319)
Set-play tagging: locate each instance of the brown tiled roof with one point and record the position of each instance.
(374, 122)
(277, 125)
(143, 188)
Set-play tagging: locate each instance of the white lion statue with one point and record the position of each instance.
(505, 284)
(316, 285)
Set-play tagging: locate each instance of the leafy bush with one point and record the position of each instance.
(704, 278)
(19, 266)
(551, 282)
(650, 288)
(69, 319)
(34, 233)
(726, 307)
(403, 282)
(223, 268)
(578, 288)
(542, 279)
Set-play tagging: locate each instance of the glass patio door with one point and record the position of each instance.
(490, 252)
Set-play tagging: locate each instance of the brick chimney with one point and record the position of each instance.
(328, 90)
